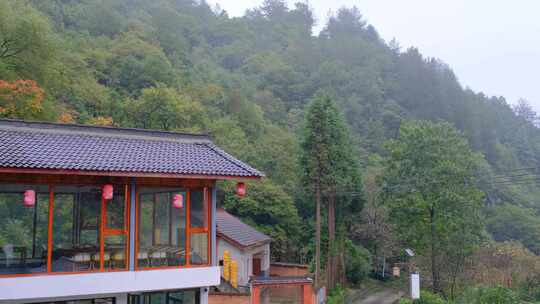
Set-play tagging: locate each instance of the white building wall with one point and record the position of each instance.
(244, 258)
(94, 285)
(236, 255)
(262, 251)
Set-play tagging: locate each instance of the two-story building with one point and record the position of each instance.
(107, 215)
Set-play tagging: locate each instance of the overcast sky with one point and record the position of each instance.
(492, 45)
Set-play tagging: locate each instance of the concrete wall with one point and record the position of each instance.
(33, 288)
(243, 258)
(262, 252)
(237, 255)
(220, 298)
(288, 270)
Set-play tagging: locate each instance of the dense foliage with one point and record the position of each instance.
(330, 168)
(432, 198)
(183, 65)
(480, 295)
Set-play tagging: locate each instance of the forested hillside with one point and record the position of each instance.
(183, 65)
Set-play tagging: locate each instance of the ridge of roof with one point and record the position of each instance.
(242, 234)
(233, 160)
(102, 131)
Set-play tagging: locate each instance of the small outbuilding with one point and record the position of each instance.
(253, 279)
(247, 246)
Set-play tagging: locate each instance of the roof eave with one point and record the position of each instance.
(125, 174)
(242, 246)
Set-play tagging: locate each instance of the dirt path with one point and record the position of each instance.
(387, 296)
(382, 296)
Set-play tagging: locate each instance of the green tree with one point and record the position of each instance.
(166, 109)
(27, 43)
(136, 64)
(489, 295)
(429, 188)
(509, 222)
(270, 209)
(251, 77)
(330, 168)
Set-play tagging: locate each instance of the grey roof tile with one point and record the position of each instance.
(232, 228)
(90, 148)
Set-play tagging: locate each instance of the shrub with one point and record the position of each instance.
(358, 263)
(489, 295)
(425, 298)
(529, 289)
(337, 295)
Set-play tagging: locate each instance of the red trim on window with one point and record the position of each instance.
(136, 266)
(209, 224)
(50, 229)
(188, 227)
(198, 230)
(109, 232)
(104, 231)
(127, 206)
(102, 234)
(173, 267)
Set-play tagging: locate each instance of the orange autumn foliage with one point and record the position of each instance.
(66, 117)
(22, 99)
(101, 121)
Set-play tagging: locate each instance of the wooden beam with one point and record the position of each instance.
(187, 214)
(50, 230)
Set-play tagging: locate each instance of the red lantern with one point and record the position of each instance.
(241, 189)
(107, 192)
(178, 201)
(29, 198)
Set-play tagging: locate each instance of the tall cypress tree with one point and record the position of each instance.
(330, 168)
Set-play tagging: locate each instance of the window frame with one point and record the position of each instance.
(57, 180)
(207, 198)
(102, 230)
(207, 201)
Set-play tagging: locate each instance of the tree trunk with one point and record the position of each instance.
(434, 266)
(331, 263)
(318, 237)
(343, 276)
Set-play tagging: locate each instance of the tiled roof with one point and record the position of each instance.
(276, 280)
(233, 229)
(32, 145)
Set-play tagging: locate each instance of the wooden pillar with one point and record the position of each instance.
(307, 292)
(255, 295)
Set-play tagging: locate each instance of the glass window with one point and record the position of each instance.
(199, 227)
(115, 253)
(77, 220)
(23, 229)
(162, 228)
(115, 230)
(76, 226)
(199, 248)
(85, 301)
(116, 210)
(198, 212)
(167, 297)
